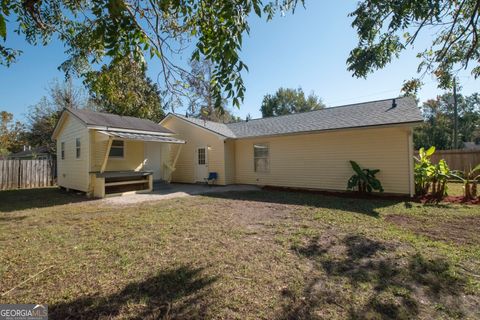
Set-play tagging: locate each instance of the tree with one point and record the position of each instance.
(386, 28)
(439, 121)
(123, 88)
(102, 30)
(287, 101)
(43, 116)
(11, 134)
(201, 94)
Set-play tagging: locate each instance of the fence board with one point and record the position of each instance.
(23, 174)
(457, 159)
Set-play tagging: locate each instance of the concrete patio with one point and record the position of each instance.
(175, 190)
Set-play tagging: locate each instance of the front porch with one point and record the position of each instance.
(129, 163)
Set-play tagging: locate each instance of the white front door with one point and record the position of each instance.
(201, 158)
(153, 159)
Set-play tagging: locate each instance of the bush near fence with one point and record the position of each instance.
(24, 174)
(457, 159)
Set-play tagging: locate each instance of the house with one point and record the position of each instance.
(105, 154)
(306, 150)
(29, 153)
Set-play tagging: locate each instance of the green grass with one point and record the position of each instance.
(251, 255)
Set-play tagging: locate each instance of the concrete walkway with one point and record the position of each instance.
(175, 190)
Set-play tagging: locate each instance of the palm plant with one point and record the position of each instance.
(422, 168)
(470, 180)
(438, 175)
(364, 179)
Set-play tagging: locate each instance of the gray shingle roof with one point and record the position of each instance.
(374, 113)
(115, 121)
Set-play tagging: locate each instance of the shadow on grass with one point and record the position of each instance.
(176, 293)
(22, 199)
(357, 276)
(368, 206)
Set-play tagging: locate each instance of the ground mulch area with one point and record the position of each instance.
(463, 230)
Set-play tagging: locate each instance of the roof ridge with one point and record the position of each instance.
(318, 110)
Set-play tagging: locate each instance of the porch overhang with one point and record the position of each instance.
(142, 137)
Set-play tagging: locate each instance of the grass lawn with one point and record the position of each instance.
(250, 255)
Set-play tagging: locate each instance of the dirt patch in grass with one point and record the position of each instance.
(460, 230)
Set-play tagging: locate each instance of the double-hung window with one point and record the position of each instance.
(62, 150)
(78, 148)
(261, 158)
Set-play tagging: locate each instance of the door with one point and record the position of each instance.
(153, 159)
(201, 158)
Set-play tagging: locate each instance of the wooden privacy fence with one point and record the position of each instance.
(23, 174)
(457, 159)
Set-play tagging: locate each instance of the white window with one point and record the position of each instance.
(62, 150)
(261, 157)
(201, 156)
(117, 150)
(78, 147)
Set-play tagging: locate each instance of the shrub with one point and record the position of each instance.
(430, 177)
(364, 179)
(470, 180)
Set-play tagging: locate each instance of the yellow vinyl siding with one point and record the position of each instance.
(73, 172)
(321, 160)
(133, 154)
(196, 137)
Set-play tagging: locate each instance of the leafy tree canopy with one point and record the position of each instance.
(438, 129)
(387, 27)
(287, 101)
(98, 29)
(123, 88)
(11, 134)
(201, 94)
(43, 116)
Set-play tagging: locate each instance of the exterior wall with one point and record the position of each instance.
(133, 154)
(72, 172)
(321, 160)
(196, 137)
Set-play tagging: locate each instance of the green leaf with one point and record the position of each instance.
(3, 28)
(430, 151)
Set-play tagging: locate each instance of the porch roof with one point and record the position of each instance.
(142, 137)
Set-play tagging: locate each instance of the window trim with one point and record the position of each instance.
(267, 145)
(124, 150)
(78, 148)
(62, 150)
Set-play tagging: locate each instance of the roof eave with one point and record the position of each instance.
(113, 129)
(410, 124)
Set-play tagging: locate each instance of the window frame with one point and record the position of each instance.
(117, 147)
(204, 156)
(78, 148)
(267, 158)
(62, 150)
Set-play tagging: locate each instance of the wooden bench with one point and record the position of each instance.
(116, 183)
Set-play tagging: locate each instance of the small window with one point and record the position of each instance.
(78, 147)
(62, 150)
(117, 149)
(201, 156)
(261, 157)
